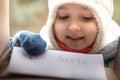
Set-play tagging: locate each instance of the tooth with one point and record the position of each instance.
(75, 37)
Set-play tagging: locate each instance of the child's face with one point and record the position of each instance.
(75, 26)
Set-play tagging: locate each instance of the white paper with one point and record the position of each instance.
(59, 64)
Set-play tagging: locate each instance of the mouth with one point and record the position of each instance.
(75, 37)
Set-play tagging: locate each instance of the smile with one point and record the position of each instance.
(75, 37)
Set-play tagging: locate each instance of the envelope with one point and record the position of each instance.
(59, 64)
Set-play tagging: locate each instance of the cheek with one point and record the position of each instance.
(91, 33)
(60, 32)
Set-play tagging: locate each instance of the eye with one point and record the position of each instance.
(85, 18)
(63, 17)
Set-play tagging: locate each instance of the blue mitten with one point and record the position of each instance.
(31, 42)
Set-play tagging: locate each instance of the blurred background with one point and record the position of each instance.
(32, 14)
(27, 15)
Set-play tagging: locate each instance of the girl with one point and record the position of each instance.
(83, 27)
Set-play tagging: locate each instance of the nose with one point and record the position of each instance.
(74, 27)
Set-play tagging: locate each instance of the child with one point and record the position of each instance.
(82, 26)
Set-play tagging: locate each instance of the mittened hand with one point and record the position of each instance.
(31, 42)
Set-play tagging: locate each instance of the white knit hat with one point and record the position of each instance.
(102, 11)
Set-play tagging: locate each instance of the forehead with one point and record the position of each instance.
(74, 8)
(70, 5)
